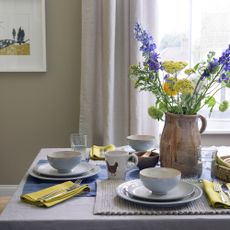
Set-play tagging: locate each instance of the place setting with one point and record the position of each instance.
(159, 187)
(67, 165)
(158, 190)
(62, 175)
(64, 165)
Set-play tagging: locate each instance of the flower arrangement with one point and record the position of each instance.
(178, 89)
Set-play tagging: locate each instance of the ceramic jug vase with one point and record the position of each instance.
(180, 143)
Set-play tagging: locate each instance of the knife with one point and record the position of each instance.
(226, 190)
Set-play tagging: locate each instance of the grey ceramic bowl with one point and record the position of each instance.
(160, 180)
(141, 142)
(64, 161)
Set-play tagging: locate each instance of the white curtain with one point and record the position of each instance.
(110, 107)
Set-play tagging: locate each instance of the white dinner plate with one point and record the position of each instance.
(46, 169)
(94, 171)
(138, 190)
(122, 192)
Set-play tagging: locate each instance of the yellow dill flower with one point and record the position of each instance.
(189, 71)
(184, 86)
(174, 66)
(169, 86)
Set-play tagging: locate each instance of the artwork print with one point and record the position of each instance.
(14, 35)
(22, 36)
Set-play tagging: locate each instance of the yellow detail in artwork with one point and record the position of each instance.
(16, 49)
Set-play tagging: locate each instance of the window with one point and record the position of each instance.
(188, 30)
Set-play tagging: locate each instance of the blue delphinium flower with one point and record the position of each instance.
(205, 74)
(223, 77)
(225, 59)
(212, 66)
(148, 48)
(227, 67)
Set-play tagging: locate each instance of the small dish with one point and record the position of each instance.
(138, 190)
(147, 159)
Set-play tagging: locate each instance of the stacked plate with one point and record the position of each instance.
(135, 192)
(45, 172)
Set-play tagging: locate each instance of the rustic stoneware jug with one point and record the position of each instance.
(180, 143)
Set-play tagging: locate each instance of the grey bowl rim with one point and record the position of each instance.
(158, 168)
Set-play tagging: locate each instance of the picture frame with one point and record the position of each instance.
(22, 36)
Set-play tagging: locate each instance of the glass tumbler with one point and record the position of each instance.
(207, 158)
(78, 143)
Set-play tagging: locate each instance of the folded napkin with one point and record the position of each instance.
(97, 152)
(213, 196)
(63, 194)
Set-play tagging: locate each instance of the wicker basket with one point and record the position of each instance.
(222, 171)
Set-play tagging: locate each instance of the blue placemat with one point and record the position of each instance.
(34, 184)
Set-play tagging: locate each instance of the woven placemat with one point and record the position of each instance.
(108, 203)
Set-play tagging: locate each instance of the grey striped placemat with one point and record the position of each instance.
(108, 203)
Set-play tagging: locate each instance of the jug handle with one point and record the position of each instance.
(203, 123)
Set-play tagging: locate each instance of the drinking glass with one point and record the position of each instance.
(207, 159)
(78, 143)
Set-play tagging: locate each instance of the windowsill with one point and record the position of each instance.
(216, 131)
(218, 126)
(213, 132)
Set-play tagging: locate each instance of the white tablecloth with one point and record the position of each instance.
(78, 214)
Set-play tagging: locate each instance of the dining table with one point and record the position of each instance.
(78, 213)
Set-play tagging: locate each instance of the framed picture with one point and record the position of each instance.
(22, 36)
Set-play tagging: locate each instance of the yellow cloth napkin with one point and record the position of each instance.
(33, 198)
(214, 197)
(97, 152)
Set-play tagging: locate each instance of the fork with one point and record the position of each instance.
(58, 192)
(217, 188)
(226, 190)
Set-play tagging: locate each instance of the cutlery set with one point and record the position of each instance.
(226, 190)
(60, 192)
(223, 191)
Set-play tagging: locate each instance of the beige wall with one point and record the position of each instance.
(41, 109)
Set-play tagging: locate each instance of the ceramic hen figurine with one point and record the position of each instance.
(112, 168)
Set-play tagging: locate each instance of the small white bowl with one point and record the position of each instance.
(64, 161)
(160, 180)
(141, 142)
